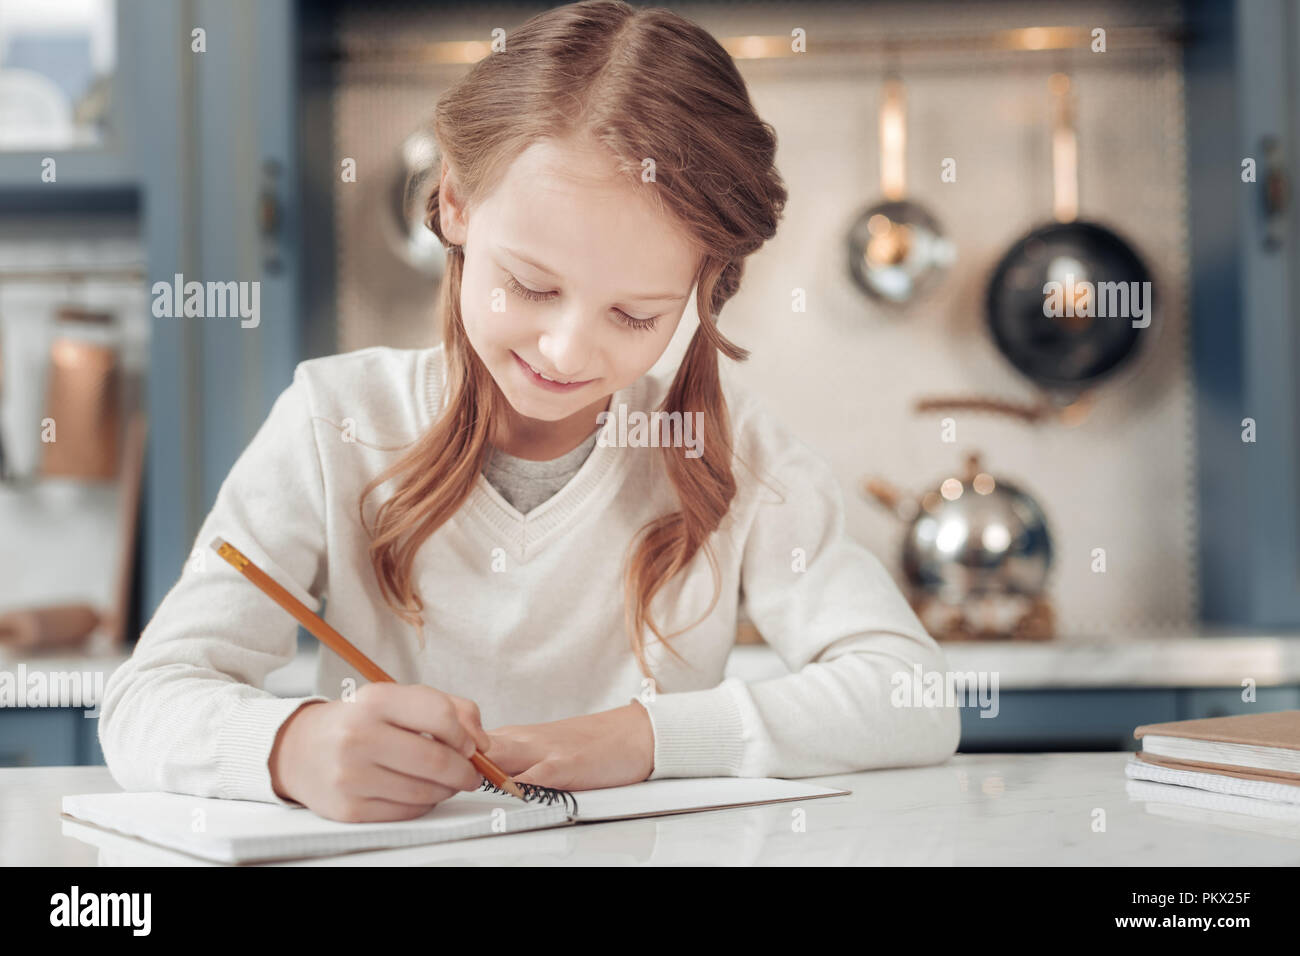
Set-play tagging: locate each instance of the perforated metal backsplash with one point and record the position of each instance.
(845, 374)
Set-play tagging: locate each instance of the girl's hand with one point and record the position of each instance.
(391, 753)
(608, 749)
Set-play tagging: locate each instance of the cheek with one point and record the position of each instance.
(636, 360)
(477, 301)
(654, 344)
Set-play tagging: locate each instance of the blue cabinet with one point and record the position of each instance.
(202, 147)
(1242, 87)
(1102, 719)
(48, 737)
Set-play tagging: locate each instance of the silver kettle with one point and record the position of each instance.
(974, 536)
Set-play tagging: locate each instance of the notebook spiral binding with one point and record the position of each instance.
(535, 793)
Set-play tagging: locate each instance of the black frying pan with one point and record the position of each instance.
(1067, 355)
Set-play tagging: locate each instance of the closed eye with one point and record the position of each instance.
(533, 295)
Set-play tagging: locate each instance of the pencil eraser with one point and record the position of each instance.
(217, 542)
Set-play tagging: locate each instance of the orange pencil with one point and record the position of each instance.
(340, 645)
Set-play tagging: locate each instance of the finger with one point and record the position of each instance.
(539, 774)
(562, 772)
(513, 755)
(470, 717)
(384, 784)
(376, 810)
(407, 752)
(426, 710)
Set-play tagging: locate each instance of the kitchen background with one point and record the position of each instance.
(224, 165)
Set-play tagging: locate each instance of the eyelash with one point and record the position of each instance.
(513, 284)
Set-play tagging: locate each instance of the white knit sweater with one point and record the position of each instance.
(523, 615)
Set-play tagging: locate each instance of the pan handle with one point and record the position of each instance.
(893, 139)
(1065, 151)
(1071, 414)
(888, 496)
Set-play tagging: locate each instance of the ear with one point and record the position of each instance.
(451, 211)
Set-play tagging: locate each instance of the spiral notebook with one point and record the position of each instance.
(1191, 805)
(245, 831)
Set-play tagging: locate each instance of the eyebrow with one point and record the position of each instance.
(643, 297)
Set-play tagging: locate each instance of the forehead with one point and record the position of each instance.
(564, 203)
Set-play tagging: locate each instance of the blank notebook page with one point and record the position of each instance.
(241, 831)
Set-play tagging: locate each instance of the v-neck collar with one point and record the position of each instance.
(524, 534)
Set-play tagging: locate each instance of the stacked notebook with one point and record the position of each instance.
(243, 831)
(1248, 764)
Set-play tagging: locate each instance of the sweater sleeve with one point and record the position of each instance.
(829, 608)
(186, 712)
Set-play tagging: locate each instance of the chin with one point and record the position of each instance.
(538, 412)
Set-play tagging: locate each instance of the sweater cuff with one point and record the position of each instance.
(244, 743)
(698, 733)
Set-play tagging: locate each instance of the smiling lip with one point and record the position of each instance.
(545, 383)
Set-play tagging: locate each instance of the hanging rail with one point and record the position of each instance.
(778, 46)
(92, 273)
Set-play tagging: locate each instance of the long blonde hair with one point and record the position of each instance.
(645, 83)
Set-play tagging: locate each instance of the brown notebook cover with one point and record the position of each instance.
(1223, 770)
(1279, 729)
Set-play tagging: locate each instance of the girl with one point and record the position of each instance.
(597, 171)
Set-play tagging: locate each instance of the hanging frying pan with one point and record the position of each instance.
(1071, 303)
(896, 248)
(1068, 350)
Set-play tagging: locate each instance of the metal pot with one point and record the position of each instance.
(412, 177)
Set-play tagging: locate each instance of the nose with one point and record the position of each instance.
(565, 345)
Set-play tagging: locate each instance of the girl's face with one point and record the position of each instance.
(571, 274)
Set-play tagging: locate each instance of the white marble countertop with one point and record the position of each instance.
(976, 809)
(1209, 659)
(1120, 661)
